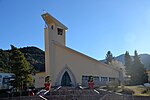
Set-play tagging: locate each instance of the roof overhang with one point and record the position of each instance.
(50, 19)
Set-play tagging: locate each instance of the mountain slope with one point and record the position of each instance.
(35, 56)
(145, 59)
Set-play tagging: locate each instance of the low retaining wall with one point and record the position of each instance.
(56, 97)
(124, 97)
(82, 97)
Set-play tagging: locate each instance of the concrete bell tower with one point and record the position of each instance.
(54, 32)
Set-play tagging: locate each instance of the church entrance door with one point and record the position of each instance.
(66, 80)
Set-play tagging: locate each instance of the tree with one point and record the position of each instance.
(135, 69)
(1, 60)
(4, 61)
(128, 63)
(138, 75)
(20, 67)
(109, 57)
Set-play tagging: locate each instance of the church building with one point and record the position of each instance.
(68, 67)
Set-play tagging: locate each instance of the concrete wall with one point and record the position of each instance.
(79, 64)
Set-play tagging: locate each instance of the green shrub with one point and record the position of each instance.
(143, 91)
(112, 86)
(127, 91)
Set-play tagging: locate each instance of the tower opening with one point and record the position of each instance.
(60, 31)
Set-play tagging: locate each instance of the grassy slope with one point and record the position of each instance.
(139, 90)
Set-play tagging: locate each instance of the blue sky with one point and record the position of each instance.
(94, 26)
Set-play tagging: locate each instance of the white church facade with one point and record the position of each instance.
(67, 67)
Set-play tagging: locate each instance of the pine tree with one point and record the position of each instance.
(4, 61)
(139, 75)
(128, 63)
(1, 60)
(109, 57)
(20, 67)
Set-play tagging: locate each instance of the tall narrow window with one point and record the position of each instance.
(60, 31)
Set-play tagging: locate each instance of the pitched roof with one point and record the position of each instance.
(49, 18)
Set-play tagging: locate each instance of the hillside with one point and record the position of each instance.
(35, 56)
(145, 59)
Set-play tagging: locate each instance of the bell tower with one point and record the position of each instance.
(54, 31)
